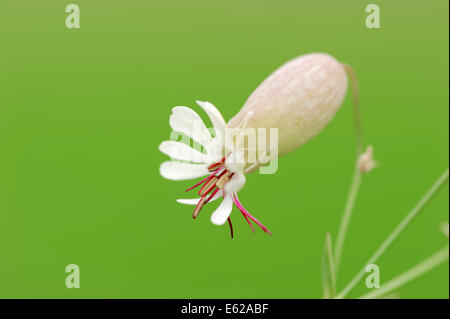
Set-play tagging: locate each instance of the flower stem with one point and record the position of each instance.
(354, 188)
(357, 175)
(328, 274)
(397, 231)
(356, 107)
(418, 270)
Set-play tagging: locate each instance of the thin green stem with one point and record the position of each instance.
(357, 175)
(418, 270)
(351, 199)
(397, 231)
(332, 270)
(328, 274)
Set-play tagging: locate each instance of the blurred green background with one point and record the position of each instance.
(82, 113)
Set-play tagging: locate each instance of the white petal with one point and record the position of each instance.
(186, 121)
(215, 151)
(178, 171)
(188, 201)
(194, 201)
(220, 215)
(180, 151)
(214, 115)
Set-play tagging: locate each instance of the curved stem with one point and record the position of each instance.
(357, 175)
(397, 231)
(418, 270)
(356, 106)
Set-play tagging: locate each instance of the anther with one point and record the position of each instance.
(215, 166)
(199, 206)
(212, 195)
(208, 186)
(223, 180)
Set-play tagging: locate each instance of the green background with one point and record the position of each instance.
(82, 113)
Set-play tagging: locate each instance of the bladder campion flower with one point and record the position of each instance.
(298, 100)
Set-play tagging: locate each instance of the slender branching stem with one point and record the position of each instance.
(418, 270)
(397, 231)
(357, 175)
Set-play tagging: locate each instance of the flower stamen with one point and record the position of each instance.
(199, 206)
(247, 214)
(215, 182)
(251, 225)
(215, 166)
(212, 195)
(208, 186)
(201, 182)
(225, 178)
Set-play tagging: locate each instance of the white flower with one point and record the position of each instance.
(223, 164)
(298, 100)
